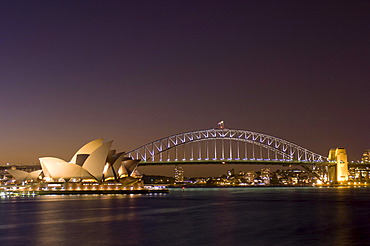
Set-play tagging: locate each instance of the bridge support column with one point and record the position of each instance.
(338, 171)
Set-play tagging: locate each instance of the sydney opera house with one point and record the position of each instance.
(94, 162)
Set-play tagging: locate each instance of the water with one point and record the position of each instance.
(224, 216)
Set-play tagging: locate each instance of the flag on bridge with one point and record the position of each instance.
(221, 124)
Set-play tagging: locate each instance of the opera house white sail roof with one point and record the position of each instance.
(95, 160)
(23, 175)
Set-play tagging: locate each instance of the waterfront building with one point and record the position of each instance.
(366, 156)
(179, 174)
(250, 176)
(265, 175)
(21, 175)
(19, 172)
(94, 161)
(359, 174)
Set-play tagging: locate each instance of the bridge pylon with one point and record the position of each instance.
(338, 169)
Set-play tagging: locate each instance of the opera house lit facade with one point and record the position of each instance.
(95, 162)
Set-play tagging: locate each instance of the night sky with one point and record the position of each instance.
(136, 71)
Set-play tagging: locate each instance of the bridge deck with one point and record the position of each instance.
(224, 162)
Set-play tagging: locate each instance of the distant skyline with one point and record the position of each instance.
(136, 71)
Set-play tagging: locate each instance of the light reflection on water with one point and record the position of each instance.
(228, 216)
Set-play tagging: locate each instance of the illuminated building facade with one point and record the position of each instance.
(94, 161)
(366, 156)
(179, 174)
(338, 171)
(265, 175)
(21, 175)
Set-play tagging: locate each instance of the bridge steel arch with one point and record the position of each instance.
(280, 149)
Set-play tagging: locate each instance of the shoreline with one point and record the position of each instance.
(83, 192)
(273, 186)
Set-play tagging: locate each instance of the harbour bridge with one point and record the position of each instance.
(221, 146)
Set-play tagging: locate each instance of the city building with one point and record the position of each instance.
(359, 174)
(265, 175)
(366, 156)
(179, 174)
(250, 176)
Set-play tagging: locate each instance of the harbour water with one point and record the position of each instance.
(213, 216)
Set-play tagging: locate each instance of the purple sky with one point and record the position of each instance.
(136, 71)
